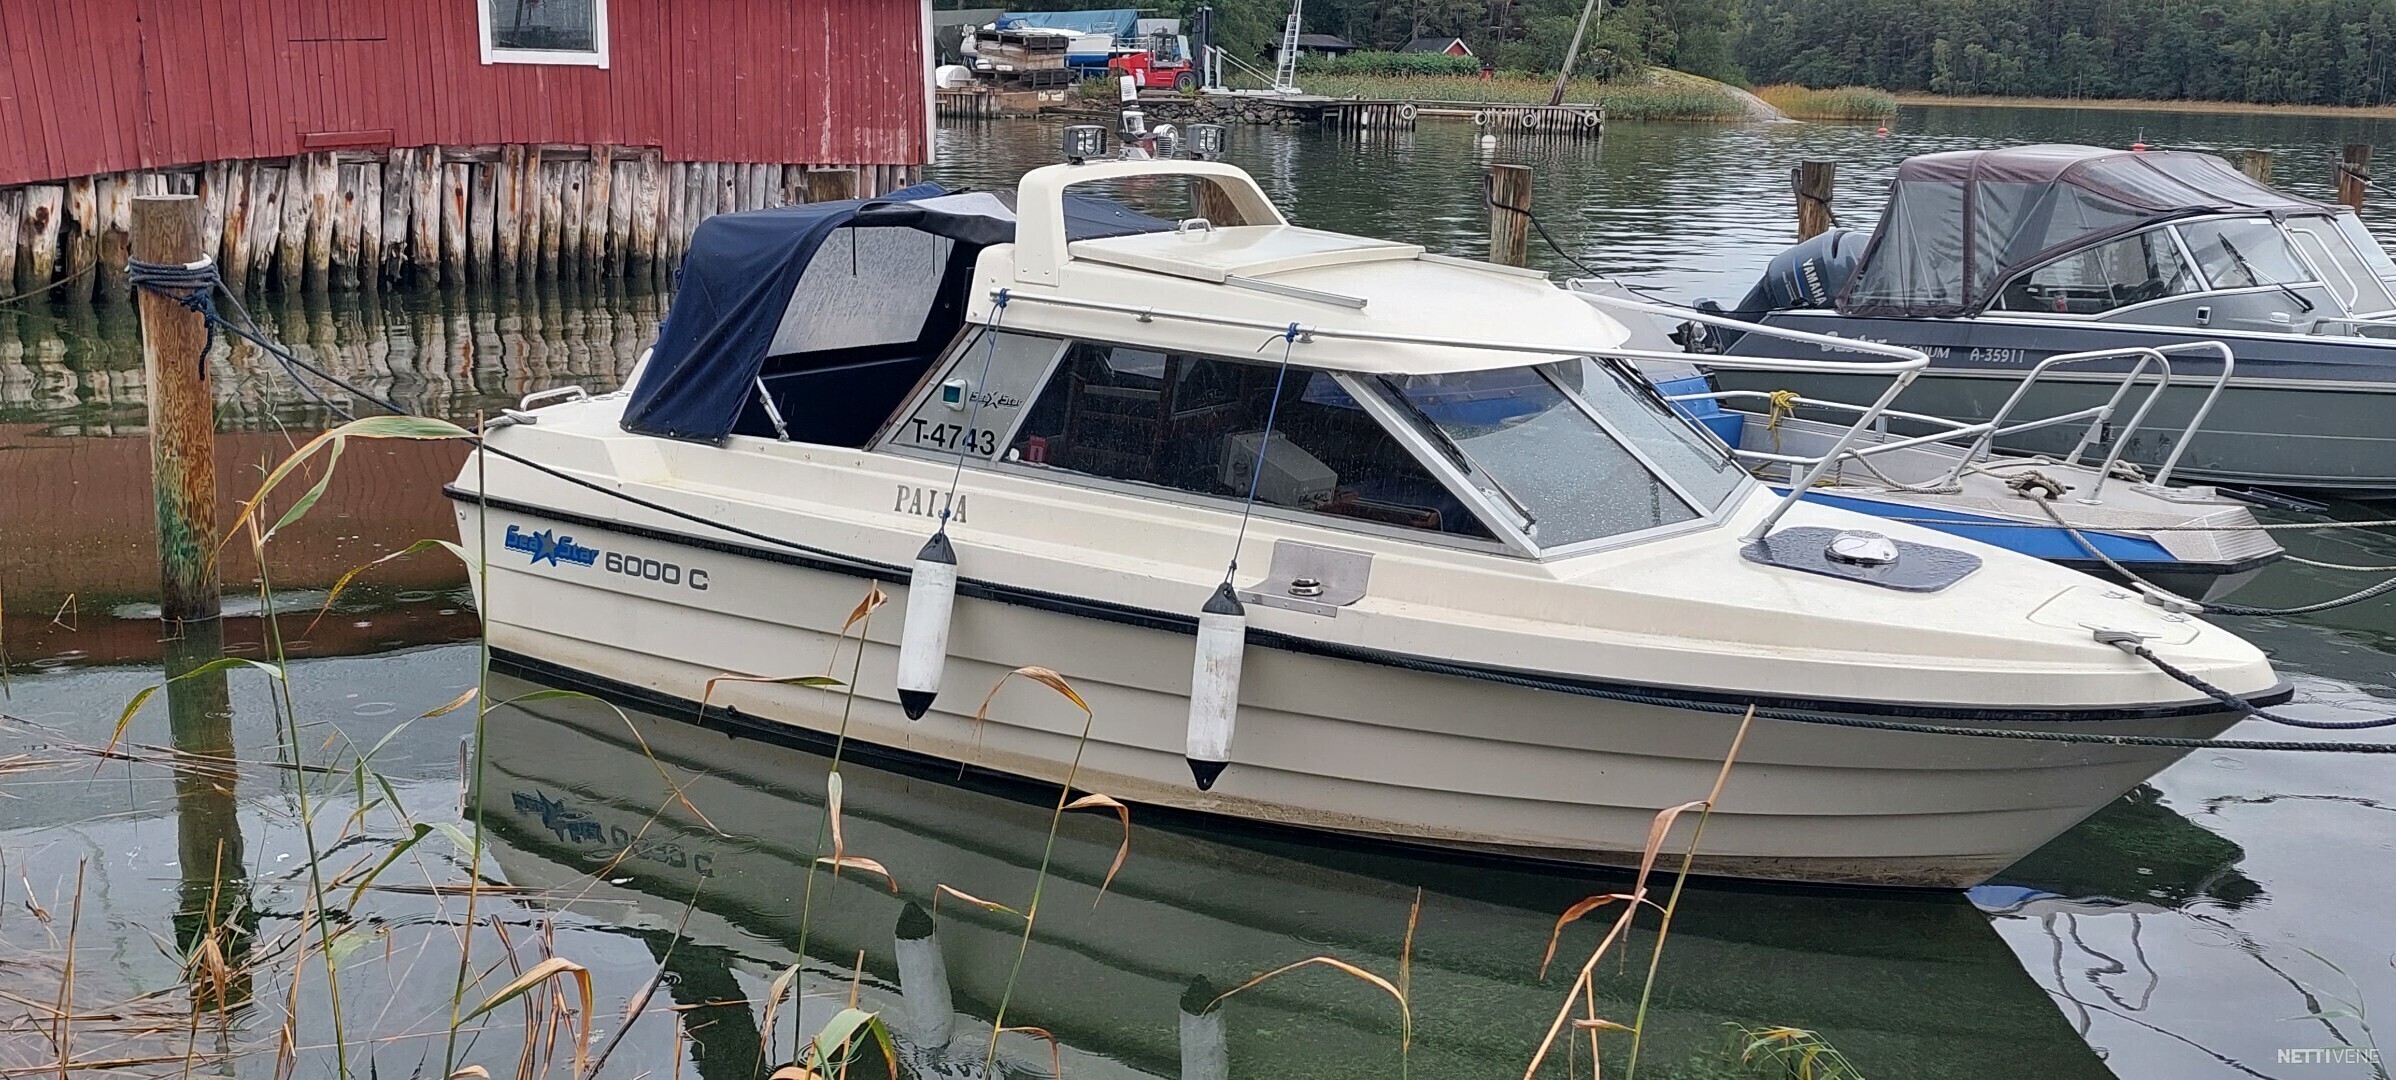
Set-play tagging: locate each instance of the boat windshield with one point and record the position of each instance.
(2244, 253)
(2358, 283)
(1530, 447)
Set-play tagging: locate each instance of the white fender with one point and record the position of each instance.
(1215, 685)
(923, 980)
(923, 645)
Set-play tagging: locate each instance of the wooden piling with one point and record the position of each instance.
(507, 227)
(482, 219)
(2256, 164)
(44, 203)
(81, 240)
(456, 181)
(12, 215)
(399, 197)
(528, 214)
(831, 185)
(211, 190)
(620, 190)
(597, 179)
(672, 231)
(114, 193)
(1815, 182)
(648, 180)
(174, 343)
(553, 216)
(2354, 174)
(424, 212)
(291, 247)
(573, 206)
(348, 221)
(324, 192)
(1509, 215)
(371, 211)
(727, 178)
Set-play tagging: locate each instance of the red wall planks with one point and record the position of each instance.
(110, 85)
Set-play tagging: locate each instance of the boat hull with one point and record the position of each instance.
(1328, 743)
(2301, 412)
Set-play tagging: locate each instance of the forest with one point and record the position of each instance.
(2306, 52)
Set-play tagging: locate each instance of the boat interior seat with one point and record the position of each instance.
(836, 398)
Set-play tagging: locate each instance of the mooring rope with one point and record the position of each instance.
(2130, 644)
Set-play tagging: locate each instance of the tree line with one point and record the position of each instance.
(2309, 52)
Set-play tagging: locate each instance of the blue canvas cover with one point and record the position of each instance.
(737, 281)
(1124, 23)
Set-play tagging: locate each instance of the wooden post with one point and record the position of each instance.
(233, 258)
(349, 220)
(43, 205)
(211, 190)
(1509, 215)
(507, 193)
(12, 209)
(645, 213)
(82, 234)
(1815, 182)
(291, 247)
(482, 219)
(424, 212)
(528, 214)
(399, 196)
(371, 211)
(596, 182)
(727, 178)
(324, 184)
(553, 216)
(115, 194)
(456, 178)
(620, 192)
(2354, 174)
(831, 185)
(2257, 165)
(174, 342)
(573, 205)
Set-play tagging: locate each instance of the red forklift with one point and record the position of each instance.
(1160, 62)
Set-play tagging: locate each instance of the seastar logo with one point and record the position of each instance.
(547, 546)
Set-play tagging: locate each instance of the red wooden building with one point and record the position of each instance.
(390, 134)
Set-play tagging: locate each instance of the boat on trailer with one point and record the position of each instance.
(1327, 531)
(1994, 260)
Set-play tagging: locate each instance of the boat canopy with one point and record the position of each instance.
(756, 306)
(1123, 23)
(1959, 224)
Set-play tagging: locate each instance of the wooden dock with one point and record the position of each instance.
(451, 215)
(1574, 120)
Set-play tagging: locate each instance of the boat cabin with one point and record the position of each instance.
(2159, 238)
(882, 326)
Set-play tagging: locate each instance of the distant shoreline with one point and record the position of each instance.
(2361, 112)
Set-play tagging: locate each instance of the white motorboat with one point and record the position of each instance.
(1489, 594)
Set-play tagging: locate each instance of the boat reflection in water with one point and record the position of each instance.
(1906, 984)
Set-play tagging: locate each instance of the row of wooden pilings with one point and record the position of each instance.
(1562, 121)
(451, 215)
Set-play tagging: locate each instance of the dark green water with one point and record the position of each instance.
(2176, 934)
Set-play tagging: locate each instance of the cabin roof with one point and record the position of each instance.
(1959, 224)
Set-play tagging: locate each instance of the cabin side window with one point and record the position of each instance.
(1216, 427)
(976, 397)
(543, 31)
(2132, 270)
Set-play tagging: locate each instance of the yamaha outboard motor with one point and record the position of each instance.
(1808, 275)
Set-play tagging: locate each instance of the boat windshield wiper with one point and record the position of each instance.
(1454, 451)
(2259, 279)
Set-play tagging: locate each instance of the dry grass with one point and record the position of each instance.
(2360, 112)
(1839, 103)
